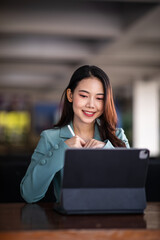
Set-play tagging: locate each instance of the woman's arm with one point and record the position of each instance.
(46, 161)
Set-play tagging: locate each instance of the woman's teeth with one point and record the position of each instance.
(89, 113)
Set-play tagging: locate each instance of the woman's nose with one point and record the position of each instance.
(90, 103)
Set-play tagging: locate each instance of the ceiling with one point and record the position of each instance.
(43, 42)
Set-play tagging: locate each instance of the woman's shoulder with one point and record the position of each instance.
(119, 132)
(121, 135)
(48, 138)
(50, 133)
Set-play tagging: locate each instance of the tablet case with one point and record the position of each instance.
(99, 181)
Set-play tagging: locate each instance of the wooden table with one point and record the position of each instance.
(40, 221)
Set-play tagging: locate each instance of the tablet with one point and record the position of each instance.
(103, 181)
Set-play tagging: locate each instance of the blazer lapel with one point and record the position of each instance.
(65, 132)
(96, 133)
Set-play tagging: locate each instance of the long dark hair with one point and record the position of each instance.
(108, 120)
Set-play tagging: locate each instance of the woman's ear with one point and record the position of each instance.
(69, 95)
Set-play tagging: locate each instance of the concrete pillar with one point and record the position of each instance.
(146, 129)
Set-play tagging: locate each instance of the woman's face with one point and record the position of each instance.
(88, 100)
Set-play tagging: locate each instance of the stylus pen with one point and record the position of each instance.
(70, 129)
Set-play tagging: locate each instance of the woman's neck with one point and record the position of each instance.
(85, 131)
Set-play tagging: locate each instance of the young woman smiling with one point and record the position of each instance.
(88, 109)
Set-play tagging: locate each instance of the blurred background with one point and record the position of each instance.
(41, 45)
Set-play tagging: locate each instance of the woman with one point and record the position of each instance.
(88, 120)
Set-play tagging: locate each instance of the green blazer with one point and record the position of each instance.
(48, 160)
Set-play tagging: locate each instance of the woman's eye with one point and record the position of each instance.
(100, 99)
(83, 95)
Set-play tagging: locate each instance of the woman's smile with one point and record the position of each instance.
(88, 113)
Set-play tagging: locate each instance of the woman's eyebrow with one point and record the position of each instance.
(84, 91)
(88, 92)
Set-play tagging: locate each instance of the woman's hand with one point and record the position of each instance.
(93, 143)
(75, 142)
(78, 142)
